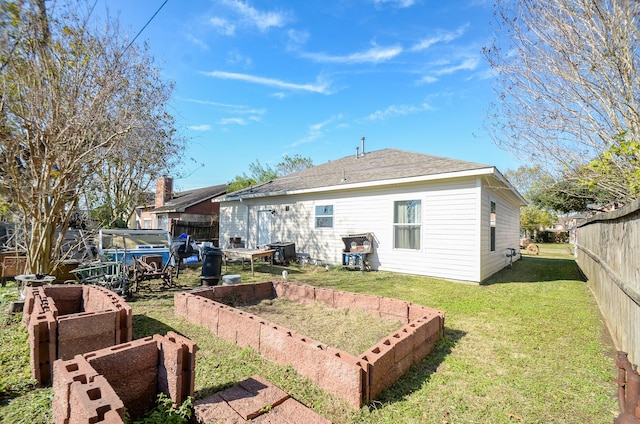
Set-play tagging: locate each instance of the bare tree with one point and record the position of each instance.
(568, 87)
(70, 96)
(150, 149)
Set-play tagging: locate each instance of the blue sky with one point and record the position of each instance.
(263, 79)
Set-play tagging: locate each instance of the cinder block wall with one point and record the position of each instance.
(355, 379)
(66, 320)
(99, 386)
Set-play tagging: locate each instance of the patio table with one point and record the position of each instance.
(251, 254)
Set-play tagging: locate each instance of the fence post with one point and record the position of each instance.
(628, 390)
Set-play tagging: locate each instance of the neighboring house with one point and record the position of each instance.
(429, 215)
(169, 209)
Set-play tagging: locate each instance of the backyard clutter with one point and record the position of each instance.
(498, 358)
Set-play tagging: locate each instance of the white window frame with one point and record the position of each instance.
(493, 215)
(323, 216)
(417, 223)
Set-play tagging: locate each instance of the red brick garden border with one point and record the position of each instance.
(356, 379)
(98, 386)
(66, 320)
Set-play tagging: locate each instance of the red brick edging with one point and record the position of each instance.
(357, 380)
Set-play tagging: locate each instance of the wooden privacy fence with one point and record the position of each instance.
(201, 231)
(608, 252)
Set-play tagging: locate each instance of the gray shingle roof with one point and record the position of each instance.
(180, 201)
(374, 166)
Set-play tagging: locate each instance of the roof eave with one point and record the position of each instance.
(421, 178)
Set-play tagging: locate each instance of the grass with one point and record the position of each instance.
(528, 346)
(349, 330)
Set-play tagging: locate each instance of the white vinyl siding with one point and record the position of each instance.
(454, 233)
(507, 233)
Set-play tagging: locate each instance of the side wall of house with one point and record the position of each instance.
(507, 224)
(233, 222)
(450, 235)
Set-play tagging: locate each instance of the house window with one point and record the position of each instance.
(146, 223)
(407, 224)
(324, 216)
(492, 225)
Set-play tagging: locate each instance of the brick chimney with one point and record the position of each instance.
(164, 188)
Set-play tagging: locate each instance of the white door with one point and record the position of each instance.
(264, 227)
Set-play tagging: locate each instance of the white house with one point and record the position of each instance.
(429, 215)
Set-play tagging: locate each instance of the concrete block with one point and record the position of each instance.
(291, 412)
(381, 360)
(138, 394)
(170, 369)
(67, 298)
(248, 330)
(69, 348)
(324, 296)
(50, 305)
(90, 402)
(274, 342)
(418, 311)
(125, 322)
(180, 304)
(278, 288)
(343, 299)
(42, 345)
(188, 351)
(245, 403)
(86, 323)
(265, 391)
(341, 374)
(194, 305)
(65, 373)
(263, 291)
(138, 355)
(228, 320)
(226, 294)
(303, 354)
(206, 292)
(403, 343)
(211, 315)
(367, 303)
(394, 309)
(215, 409)
(299, 293)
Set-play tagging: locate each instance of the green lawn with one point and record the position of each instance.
(529, 346)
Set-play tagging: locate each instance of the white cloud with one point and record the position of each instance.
(234, 57)
(239, 109)
(297, 38)
(428, 79)
(228, 121)
(253, 17)
(373, 55)
(468, 64)
(444, 67)
(317, 130)
(319, 87)
(395, 3)
(203, 127)
(198, 42)
(397, 110)
(440, 37)
(223, 26)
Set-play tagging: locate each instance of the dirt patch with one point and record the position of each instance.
(349, 330)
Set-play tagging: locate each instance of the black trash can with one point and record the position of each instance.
(211, 266)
